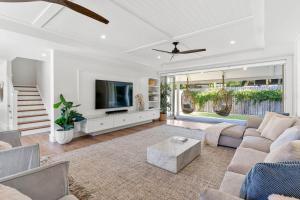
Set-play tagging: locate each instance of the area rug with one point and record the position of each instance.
(117, 169)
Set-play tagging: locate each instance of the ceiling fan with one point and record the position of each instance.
(73, 6)
(177, 51)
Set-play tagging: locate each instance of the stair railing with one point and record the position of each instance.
(13, 106)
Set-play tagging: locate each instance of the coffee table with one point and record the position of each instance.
(173, 155)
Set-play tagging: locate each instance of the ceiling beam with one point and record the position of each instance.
(46, 15)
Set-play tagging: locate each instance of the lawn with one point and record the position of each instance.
(231, 116)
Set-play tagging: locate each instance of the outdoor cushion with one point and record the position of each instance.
(267, 118)
(257, 143)
(244, 159)
(266, 179)
(276, 126)
(232, 183)
(287, 152)
(234, 131)
(288, 135)
(68, 197)
(251, 132)
(4, 146)
(8, 193)
(254, 121)
(280, 197)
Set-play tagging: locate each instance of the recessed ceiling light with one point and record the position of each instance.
(245, 68)
(232, 42)
(158, 57)
(103, 37)
(44, 54)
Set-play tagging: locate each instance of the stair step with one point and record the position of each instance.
(23, 103)
(28, 93)
(23, 89)
(41, 109)
(29, 99)
(31, 107)
(29, 113)
(34, 128)
(26, 97)
(28, 116)
(32, 118)
(36, 131)
(25, 86)
(33, 122)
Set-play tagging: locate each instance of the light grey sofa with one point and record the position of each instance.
(19, 158)
(43, 183)
(252, 149)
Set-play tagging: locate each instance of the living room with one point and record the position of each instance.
(149, 99)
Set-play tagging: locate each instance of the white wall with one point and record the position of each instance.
(24, 71)
(43, 82)
(4, 124)
(297, 74)
(74, 76)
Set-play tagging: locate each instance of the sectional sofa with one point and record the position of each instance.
(252, 148)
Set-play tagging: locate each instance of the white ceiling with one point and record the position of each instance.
(136, 27)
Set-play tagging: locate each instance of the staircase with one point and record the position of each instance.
(31, 113)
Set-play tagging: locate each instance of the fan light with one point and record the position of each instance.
(232, 42)
(103, 37)
(245, 68)
(158, 57)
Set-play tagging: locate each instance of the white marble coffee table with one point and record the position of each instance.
(173, 156)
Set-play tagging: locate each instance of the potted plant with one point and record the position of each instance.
(66, 120)
(165, 106)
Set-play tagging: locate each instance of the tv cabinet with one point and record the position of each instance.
(100, 124)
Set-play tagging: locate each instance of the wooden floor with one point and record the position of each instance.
(48, 148)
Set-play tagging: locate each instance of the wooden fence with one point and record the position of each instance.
(248, 107)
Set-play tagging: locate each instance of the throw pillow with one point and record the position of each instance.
(265, 179)
(8, 193)
(254, 121)
(288, 135)
(4, 146)
(287, 152)
(276, 126)
(267, 118)
(280, 197)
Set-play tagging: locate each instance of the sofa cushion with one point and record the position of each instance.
(267, 118)
(244, 159)
(251, 132)
(280, 197)
(8, 193)
(234, 131)
(69, 197)
(287, 152)
(257, 143)
(276, 126)
(232, 183)
(288, 135)
(266, 179)
(4, 146)
(212, 194)
(254, 121)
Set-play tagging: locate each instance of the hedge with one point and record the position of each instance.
(257, 96)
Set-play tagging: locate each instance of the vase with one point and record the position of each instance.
(64, 137)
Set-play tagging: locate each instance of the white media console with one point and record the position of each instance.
(100, 124)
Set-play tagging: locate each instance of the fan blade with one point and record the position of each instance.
(162, 51)
(192, 51)
(80, 9)
(68, 4)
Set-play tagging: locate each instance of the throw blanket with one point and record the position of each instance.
(212, 133)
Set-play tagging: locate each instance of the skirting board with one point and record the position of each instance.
(119, 128)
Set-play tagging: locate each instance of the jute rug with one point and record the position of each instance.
(117, 169)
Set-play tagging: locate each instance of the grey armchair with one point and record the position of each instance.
(11, 137)
(47, 182)
(18, 159)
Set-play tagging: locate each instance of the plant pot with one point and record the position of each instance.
(64, 137)
(163, 117)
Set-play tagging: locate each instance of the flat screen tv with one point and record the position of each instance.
(113, 94)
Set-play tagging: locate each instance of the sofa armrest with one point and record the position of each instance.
(49, 182)
(212, 194)
(19, 159)
(254, 121)
(11, 137)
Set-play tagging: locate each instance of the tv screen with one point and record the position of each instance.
(112, 94)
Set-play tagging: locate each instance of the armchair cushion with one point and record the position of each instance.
(8, 193)
(4, 146)
(212, 194)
